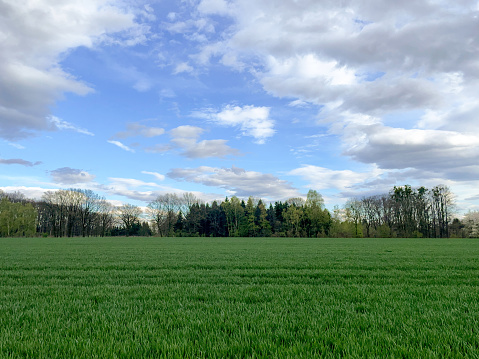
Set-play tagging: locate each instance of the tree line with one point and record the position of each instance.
(403, 212)
(406, 212)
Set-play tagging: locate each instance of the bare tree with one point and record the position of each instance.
(186, 201)
(129, 215)
(296, 201)
(442, 207)
(163, 212)
(104, 217)
(354, 213)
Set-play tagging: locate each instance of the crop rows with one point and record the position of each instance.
(153, 297)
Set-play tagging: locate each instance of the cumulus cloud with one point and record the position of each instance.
(70, 176)
(446, 152)
(415, 60)
(183, 138)
(186, 138)
(134, 189)
(138, 190)
(18, 161)
(121, 145)
(237, 181)
(186, 133)
(324, 178)
(31, 78)
(251, 120)
(307, 77)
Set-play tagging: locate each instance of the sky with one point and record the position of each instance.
(263, 98)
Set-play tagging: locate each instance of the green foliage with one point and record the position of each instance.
(343, 229)
(243, 298)
(261, 218)
(17, 219)
(293, 216)
(404, 212)
(383, 231)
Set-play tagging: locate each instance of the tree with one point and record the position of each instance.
(186, 201)
(341, 227)
(353, 211)
(88, 209)
(145, 230)
(163, 212)
(17, 219)
(471, 223)
(318, 219)
(217, 220)
(179, 225)
(404, 210)
(442, 206)
(104, 217)
(194, 220)
(457, 229)
(250, 219)
(295, 201)
(262, 223)
(293, 217)
(234, 212)
(62, 207)
(130, 217)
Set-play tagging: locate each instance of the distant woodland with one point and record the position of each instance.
(403, 212)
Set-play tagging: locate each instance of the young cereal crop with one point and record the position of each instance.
(236, 297)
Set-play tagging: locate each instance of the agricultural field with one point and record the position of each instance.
(239, 297)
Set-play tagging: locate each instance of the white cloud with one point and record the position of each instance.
(121, 145)
(35, 35)
(310, 67)
(16, 145)
(35, 193)
(237, 181)
(216, 7)
(138, 190)
(324, 178)
(64, 125)
(157, 175)
(446, 152)
(253, 121)
(186, 131)
(70, 176)
(186, 138)
(137, 129)
(364, 61)
(131, 182)
(183, 67)
(134, 189)
(210, 148)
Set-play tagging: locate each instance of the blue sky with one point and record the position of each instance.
(133, 99)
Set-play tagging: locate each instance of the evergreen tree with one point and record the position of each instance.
(262, 222)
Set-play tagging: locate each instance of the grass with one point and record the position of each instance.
(216, 298)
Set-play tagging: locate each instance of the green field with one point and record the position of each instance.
(235, 297)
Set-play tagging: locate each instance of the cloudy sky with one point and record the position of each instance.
(267, 98)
